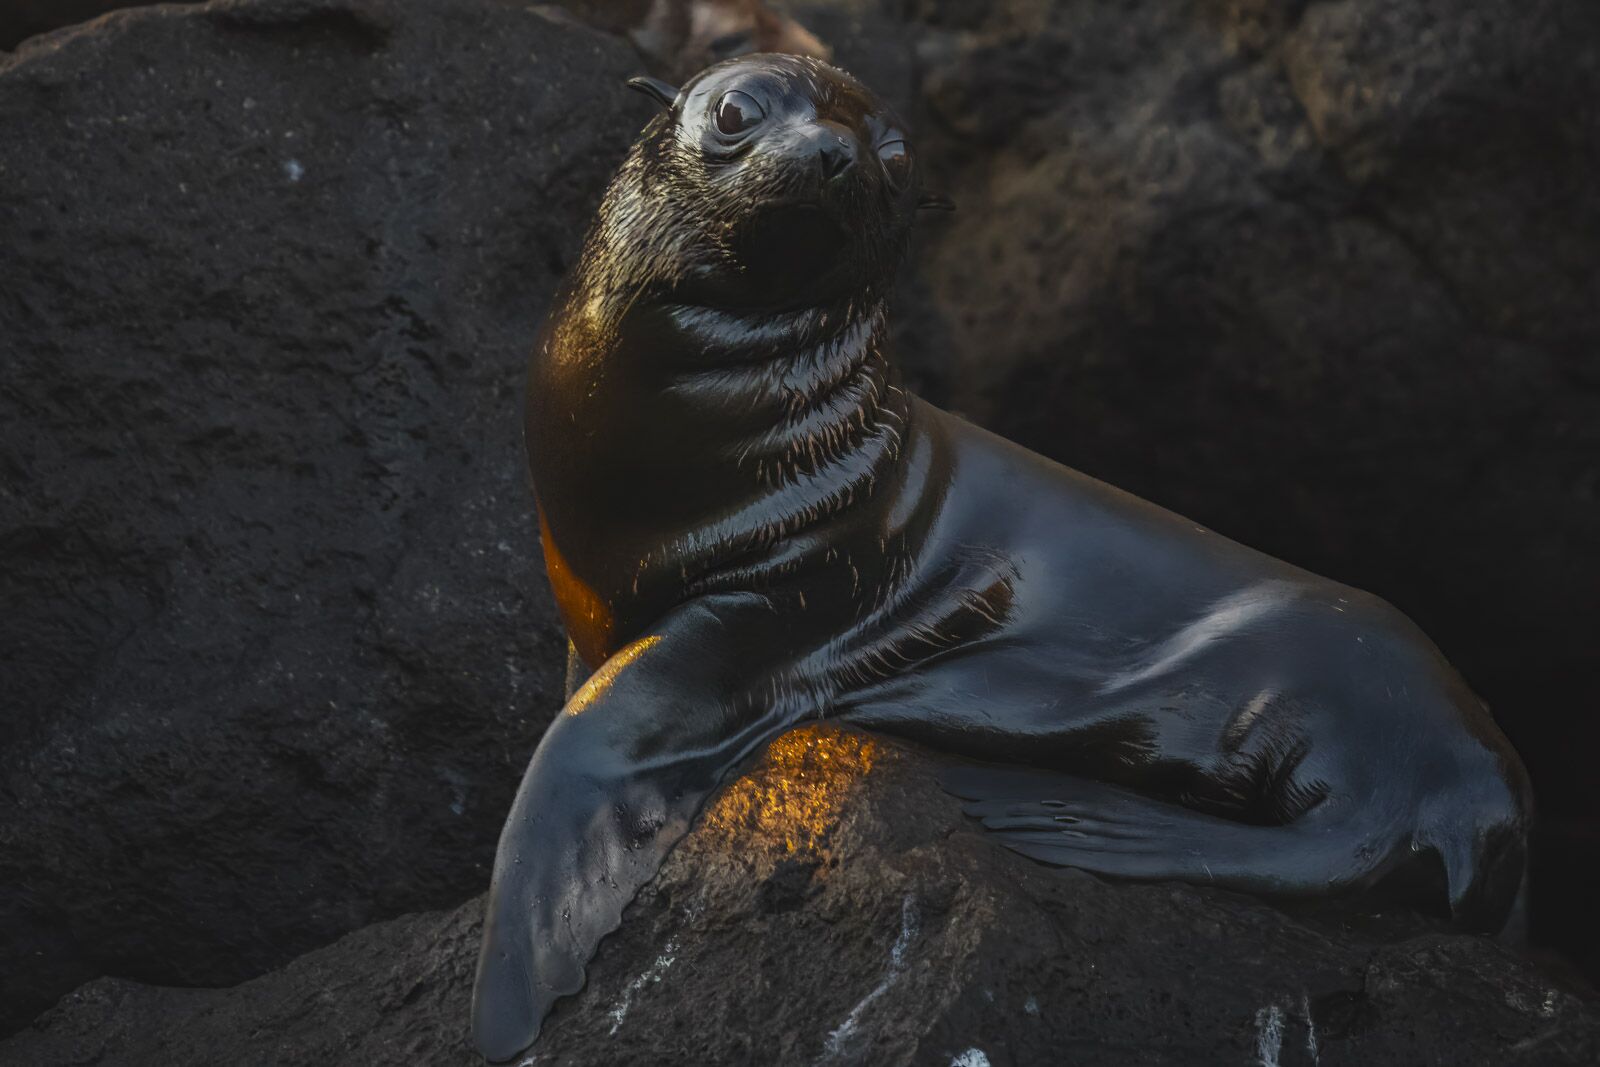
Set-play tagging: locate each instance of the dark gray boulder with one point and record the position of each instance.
(833, 908)
(276, 646)
(1322, 277)
(21, 19)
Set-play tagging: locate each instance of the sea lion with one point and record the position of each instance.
(747, 523)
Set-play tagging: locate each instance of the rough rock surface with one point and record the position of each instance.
(21, 19)
(276, 645)
(833, 908)
(274, 649)
(1321, 276)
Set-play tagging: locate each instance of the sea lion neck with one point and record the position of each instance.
(710, 401)
(790, 394)
(679, 446)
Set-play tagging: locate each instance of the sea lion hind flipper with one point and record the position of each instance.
(615, 782)
(1066, 821)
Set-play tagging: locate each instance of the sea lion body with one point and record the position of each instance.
(1133, 647)
(748, 523)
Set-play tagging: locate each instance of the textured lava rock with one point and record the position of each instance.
(1323, 278)
(824, 911)
(20, 19)
(275, 643)
(274, 650)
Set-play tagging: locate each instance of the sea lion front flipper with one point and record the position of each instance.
(614, 784)
(1067, 821)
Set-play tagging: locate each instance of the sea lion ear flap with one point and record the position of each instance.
(656, 89)
(935, 202)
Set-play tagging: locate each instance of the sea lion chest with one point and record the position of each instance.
(688, 450)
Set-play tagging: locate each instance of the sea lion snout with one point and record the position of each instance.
(834, 148)
(813, 161)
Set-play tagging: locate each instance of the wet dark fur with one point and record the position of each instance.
(748, 523)
(664, 328)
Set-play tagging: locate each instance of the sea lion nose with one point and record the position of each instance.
(836, 149)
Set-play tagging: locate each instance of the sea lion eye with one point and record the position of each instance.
(738, 112)
(896, 159)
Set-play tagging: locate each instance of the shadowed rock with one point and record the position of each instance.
(832, 907)
(275, 642)
(21, 19)
(1319, 276)
(1322, 278)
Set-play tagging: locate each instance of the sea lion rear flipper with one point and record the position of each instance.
(1068, 821)
(613, 785)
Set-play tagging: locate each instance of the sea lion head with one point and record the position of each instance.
(768, 181)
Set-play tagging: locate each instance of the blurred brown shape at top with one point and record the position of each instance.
(680, 37)
(683, 37)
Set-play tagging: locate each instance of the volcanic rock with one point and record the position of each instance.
(276, 645)
(834, 908)
(21, 19)
(1321, 277)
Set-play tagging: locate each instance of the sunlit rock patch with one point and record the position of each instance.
(791, 801)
